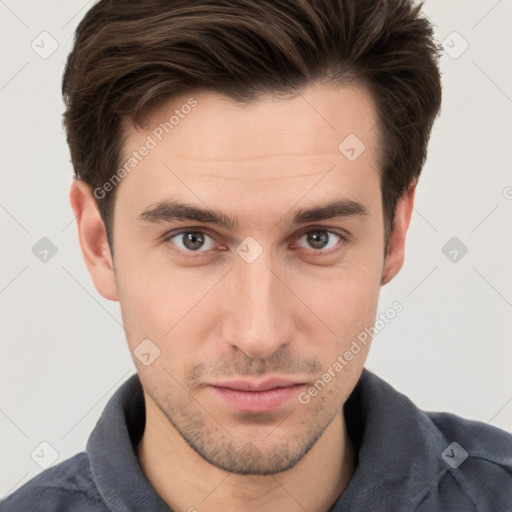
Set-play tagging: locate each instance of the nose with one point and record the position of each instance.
(258, 309)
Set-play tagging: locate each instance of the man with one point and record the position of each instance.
(246, 174)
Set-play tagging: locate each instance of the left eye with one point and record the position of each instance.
(193, 240)
(321, 239)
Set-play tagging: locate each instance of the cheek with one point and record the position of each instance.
(152, 311)
(168, 306)
(352, 312)
(145, 298)
(343, 296)
(346, 299)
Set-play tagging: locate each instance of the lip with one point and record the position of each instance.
(248, 385)
(256, 397)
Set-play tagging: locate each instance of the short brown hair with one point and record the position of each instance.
(131, 55)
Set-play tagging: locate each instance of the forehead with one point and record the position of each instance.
(207, 125)
(203, 143)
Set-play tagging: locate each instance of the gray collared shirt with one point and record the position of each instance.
(407, 460)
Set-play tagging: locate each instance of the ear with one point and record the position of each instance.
(93, 239)
(396, 247)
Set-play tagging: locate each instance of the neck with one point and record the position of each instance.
(185, 481)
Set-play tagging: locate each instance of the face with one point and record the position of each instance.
(249, 252)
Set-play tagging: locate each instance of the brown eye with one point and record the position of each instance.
(321, 239)
(192, 241)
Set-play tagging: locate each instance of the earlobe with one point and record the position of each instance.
(396, 250)
(93, 239)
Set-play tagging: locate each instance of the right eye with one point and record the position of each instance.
(190, 240)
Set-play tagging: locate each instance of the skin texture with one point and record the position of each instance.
(214, 316)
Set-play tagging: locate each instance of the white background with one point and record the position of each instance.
(63, 348)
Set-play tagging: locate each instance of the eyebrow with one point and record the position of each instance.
(167, 211)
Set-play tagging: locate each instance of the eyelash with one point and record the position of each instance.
(344, 237)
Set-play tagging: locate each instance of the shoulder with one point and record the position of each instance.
(60, 488)
(483, 439)
(477, 462)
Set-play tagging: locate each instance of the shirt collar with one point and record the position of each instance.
(398, 449)
(111, 449)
